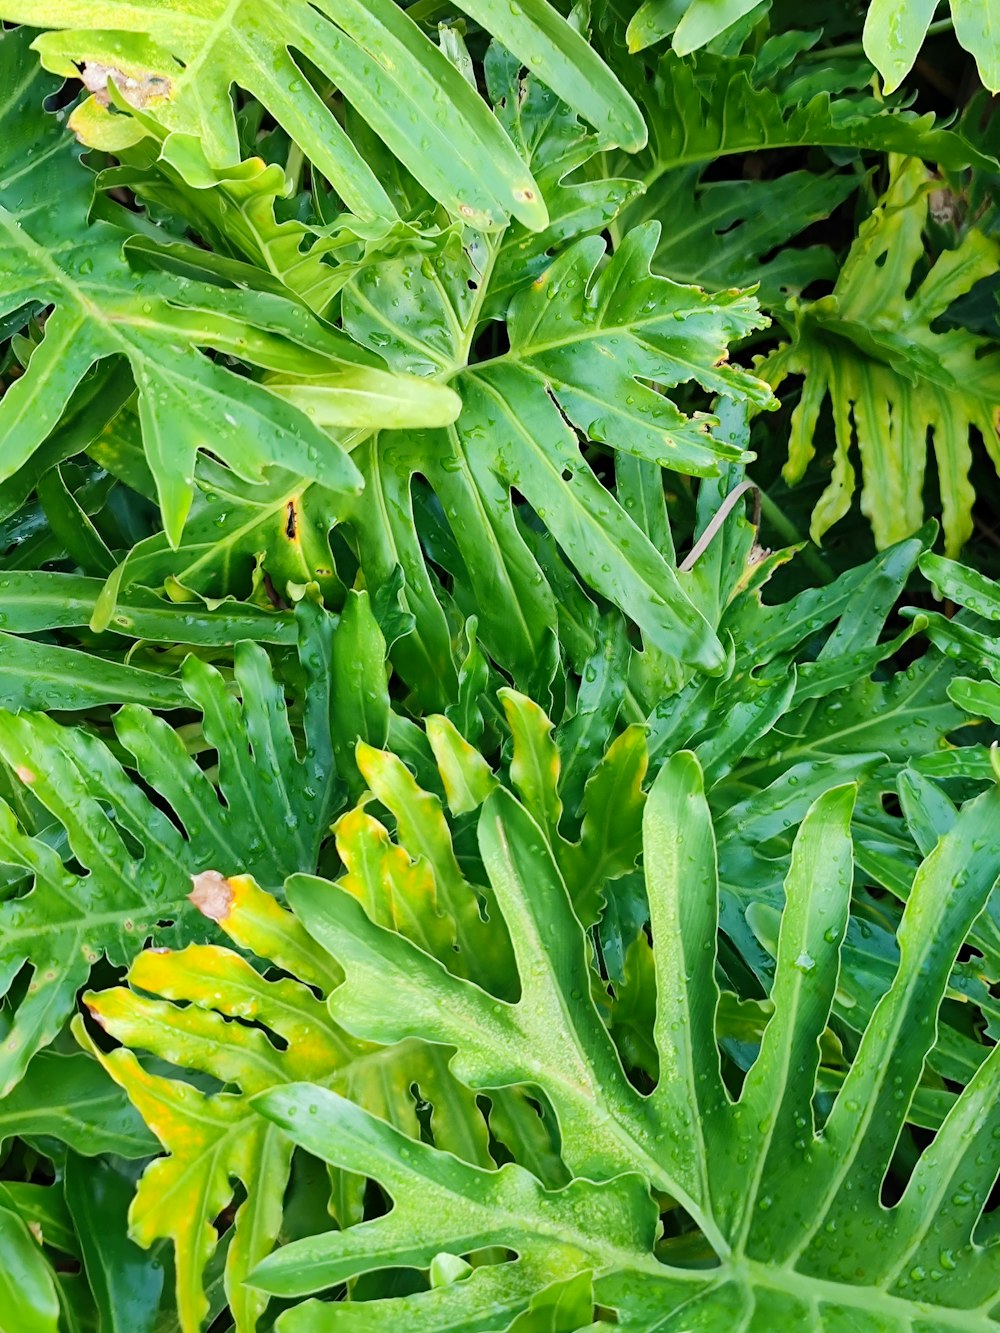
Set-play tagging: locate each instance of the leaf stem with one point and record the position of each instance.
(293, 167)
(858, 48)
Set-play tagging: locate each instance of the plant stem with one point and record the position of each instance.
(293, 167)
(858, 48)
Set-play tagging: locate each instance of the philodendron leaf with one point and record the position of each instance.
(67, 1097)
(442, 1204)
(29, 1297)
(35, 600)
(895, 31)
(589, 340)
(710, 107)
(179, 65)
(267, 812)
(126, 1282)
(894, 381)
(37, 675)
(963, 585)
(728, 227)
(787, 1196)
(51, 252)
(236, 211)
(418, 887)
(219, 1015)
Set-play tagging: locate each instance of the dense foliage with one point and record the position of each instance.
(499, 666)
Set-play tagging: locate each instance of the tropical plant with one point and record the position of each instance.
(783, 1190)
(894, 30)
(268, 809)
(57, 257)
(895, 383)
(428, 887)
(428, 808)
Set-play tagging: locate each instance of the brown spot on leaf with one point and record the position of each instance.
(137, 89)
(757, 554)
(291, 521)
(944, 207)
(26, 774)
(212, 894)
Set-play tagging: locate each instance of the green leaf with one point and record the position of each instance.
(894, 33)
(561, 1308)
(235, 538)
(40, 675)
(729, 233)
(43, 1207)
(433, 891)
(977, 27)
(709, 107)
(762, 1174)
(180, 67)
(126, 1283)
(705, 19)
(236, 210)
(585, 341)
(69, 1098)
(892, 380)
(610, 824)
(29, 1301)
(459, 1208)
(534, 766)
(555, 144)
(358, 684)
(464, 772)
(894, 30)
(963, 585)
(981, 697)
(102, 309)
(602, 690)
(268, 814)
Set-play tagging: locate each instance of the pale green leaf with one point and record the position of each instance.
(894, 33)
(892, 380)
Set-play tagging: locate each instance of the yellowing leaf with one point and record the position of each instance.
(216, 1014)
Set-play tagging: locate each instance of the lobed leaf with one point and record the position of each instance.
(759, 1171)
